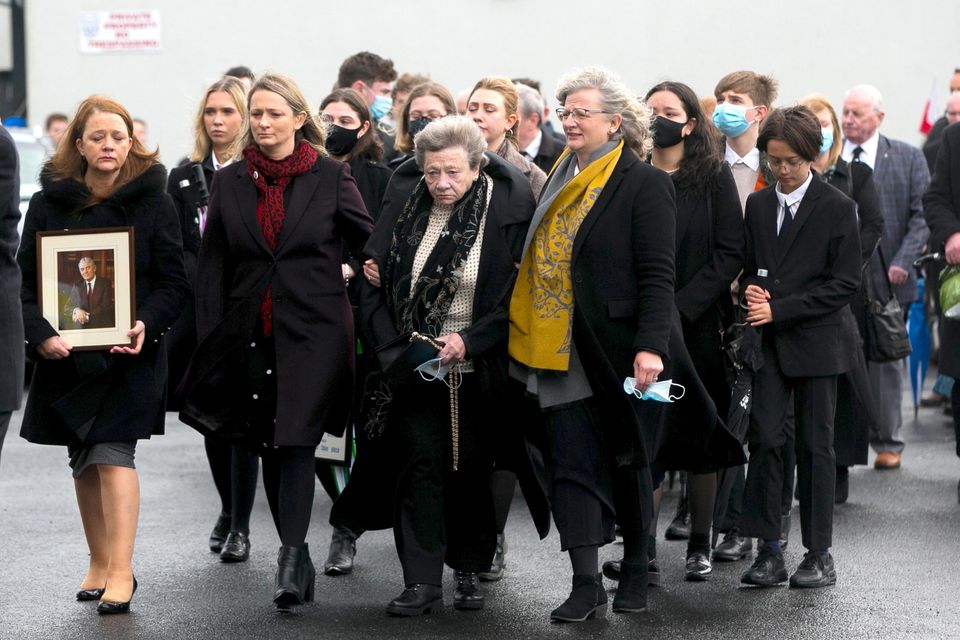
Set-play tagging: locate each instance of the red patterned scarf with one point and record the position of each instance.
(272, 178)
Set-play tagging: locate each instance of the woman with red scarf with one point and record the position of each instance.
(274, 367)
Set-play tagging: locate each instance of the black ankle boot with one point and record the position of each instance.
(587, 600)
(295, 577)
(631, 596)
(467, 594)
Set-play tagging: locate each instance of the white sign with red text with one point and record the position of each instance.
(119, 31)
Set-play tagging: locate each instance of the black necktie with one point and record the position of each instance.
(787, 221)
(526, 155)
(89, 291)
(856, 153)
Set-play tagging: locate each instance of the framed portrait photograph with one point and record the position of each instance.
(87, 285)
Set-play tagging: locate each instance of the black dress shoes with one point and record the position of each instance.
(468, 594)
(842, 490)
(631, 595)
(588, 599)
(612, 571)
(499, 561)
(219, 534)
(767, 570)
(295, 577)
(815, 570)
(85, 595)
(733, 547)
(416, 600)
(236, 548)
(107, 607)
(699, 567)
(343, 548)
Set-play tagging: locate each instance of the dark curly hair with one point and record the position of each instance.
(699, 171)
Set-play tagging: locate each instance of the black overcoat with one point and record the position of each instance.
(941, 207)
(106, 398)
(312, 320)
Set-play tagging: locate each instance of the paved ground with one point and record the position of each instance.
(896, 552)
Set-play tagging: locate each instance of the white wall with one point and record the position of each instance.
(816, 45)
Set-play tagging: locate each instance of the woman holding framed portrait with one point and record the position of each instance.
(98, 389)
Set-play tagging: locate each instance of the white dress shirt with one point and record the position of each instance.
(869, 154)
(534, 147)
(791, 200)
(752, 159)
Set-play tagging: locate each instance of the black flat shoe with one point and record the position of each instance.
(588, 599)
(416, 600)
(343, 549)
(467, 595)
(295, 577)
(815, 571)
(733, 547)
(767, 570)
(698, 568)
(85, 595)
(219, 534)
(107, 607)
(679, 528)
(236, 548)
(612, 569)
(495, 572)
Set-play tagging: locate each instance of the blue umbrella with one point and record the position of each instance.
(919, 332)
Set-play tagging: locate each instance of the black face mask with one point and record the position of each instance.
(341, 141)
(667, 133)
(416, 126)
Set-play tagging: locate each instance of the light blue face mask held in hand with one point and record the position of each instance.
(659, 391)
(432, 370)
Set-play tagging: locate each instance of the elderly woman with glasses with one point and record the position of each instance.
(593, 304)
(446, 242)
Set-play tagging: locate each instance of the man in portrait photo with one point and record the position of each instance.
(90, 305)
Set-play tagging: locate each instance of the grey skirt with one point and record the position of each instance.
(117, 454)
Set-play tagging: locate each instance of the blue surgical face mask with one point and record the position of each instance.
(731, 119)
(659, 391)
(432, 370)
(827, 142)
(381, 106)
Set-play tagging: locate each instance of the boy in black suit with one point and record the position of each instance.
(801, 270)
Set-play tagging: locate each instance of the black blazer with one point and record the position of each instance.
(312, 321)
(550, 149)
(856, 181)
(811, 282)
(99, 305)
(941, 207)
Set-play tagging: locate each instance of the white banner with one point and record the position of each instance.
(119, 31)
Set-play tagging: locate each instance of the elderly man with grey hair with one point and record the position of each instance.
(538, 146)
(901, 175)
(90, 304)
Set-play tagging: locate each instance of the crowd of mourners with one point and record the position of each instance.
(481, 300)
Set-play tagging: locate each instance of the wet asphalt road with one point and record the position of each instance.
(896, 548)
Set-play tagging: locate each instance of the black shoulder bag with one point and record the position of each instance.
(886, 338)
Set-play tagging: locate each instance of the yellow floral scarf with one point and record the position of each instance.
(541, 307)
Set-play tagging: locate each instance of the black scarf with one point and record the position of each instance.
(426, 308)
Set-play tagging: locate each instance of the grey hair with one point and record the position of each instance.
(451, 131)
(869, 92)
(87, 259)
(531, 102)
(615, 98)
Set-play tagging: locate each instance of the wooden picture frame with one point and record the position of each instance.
(90, 313)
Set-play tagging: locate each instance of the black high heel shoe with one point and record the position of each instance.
(85, 595)
(295, 577)
(107, 607)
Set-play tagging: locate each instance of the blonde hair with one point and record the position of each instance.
(202, 145)
(511, 100)
(67, 162)
(818, 102)
(313, 131)
(616, 99)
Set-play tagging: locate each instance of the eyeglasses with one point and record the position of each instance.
(578, 113)
(776, 164)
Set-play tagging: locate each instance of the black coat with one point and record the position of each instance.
(856, 181)
(312, 321)
(508, 217)
(11, 318)
(623, 278)
(118, 397)
(550, 149)
(941, 207)
(811, 281)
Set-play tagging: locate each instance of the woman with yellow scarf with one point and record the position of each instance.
(592, 305)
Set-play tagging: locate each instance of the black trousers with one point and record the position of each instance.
(815, 406)
(441, 515)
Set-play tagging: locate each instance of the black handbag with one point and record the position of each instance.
(399, 357)
(887, 339)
